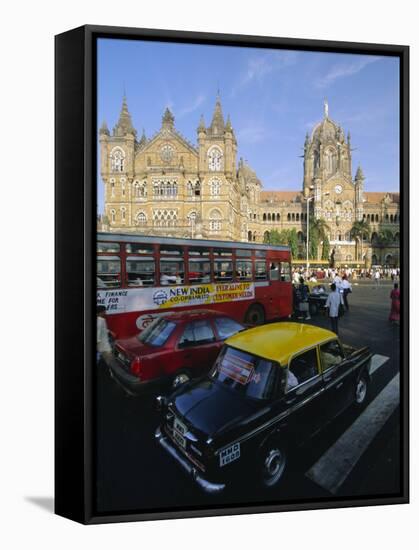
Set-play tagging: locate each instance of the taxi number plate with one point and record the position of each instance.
(178, 432)
(180, 440)
(229, 454)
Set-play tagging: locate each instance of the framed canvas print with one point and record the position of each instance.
(231, 274)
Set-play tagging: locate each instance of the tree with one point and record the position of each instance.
(326, 248)
(385, 237)
(293, 242)
(361, 229)
(318, 232)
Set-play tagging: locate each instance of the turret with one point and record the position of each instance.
(168, 120)
(124, 126)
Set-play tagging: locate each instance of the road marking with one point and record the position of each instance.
(378, 361)
(331, 470)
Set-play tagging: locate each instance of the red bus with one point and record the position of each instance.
(140, 277)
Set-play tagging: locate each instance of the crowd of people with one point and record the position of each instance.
(340, 285)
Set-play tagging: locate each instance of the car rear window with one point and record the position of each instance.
(157, 333)
(226, 327)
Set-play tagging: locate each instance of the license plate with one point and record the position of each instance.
(179, 430)
(230, 454)
(180, 440)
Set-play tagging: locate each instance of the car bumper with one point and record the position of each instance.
(130, 383)
(204, 484)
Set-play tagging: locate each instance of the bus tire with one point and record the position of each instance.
(255, 315)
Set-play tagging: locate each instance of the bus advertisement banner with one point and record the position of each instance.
(168, 297)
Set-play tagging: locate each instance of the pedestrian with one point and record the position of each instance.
(103, 345)
(395, 304)
(303, 294)
(346, 289)
(377, 278)
(333, 302)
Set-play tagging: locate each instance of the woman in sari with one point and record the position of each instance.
(395, 304)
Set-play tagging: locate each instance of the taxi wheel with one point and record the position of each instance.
(274, 461)
(255, 315)
(361, 390)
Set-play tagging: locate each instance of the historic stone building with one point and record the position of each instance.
(166, 185)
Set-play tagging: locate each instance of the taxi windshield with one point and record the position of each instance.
(245, 373)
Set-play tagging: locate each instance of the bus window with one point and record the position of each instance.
(198, 252)
(244, 270)
(108, 273)
(260, 271)
(285, 272)
(244, 253)
(260, 253)
(170, 250)
(140, 271)
(199, 270)
(223, 270)
(221, 252)
(134, 248)
(172, 271)
(274, 271)
(107, 247)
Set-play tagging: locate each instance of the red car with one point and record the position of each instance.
(172, 349)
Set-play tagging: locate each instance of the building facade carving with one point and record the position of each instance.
(165, 185)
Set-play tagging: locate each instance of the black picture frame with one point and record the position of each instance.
(75, 233)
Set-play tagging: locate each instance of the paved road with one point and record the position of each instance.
(357, 454)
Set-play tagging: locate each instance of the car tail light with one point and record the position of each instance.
(136, 366)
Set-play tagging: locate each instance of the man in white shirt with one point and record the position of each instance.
(332, 304)
(377, 278)
(346, 289)
(103, 346)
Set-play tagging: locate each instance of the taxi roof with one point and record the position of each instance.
(279, 341)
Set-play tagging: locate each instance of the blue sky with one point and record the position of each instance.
(273, 97)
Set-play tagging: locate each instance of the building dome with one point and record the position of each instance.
(327, 129)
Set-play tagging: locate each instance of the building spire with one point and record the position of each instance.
(104, 129)
(217, 124)
(326, 108)
(124, 125)
(359, 176)
(168, 119)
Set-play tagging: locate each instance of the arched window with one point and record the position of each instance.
(278, 216)
(165, 218)
(376, 218)
(215, 220)
(330, 161)
(266, 236)
(288, 217)
(215, 187)
(264, 217)
(141, 219)
(191, 218)
(374, 238)
(349, 257)
(249, 236)
(142, 189)
(117, 159)
(269, 216)
(112, 182)
(300, 237)
(215, 159)
(297, 217)
(123, 213)
(391, 218)
(113, 214)
(293, 217)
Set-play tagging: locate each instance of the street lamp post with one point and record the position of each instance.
(308, 199)
(308, 230)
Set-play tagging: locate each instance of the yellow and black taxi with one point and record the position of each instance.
(269, 389)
